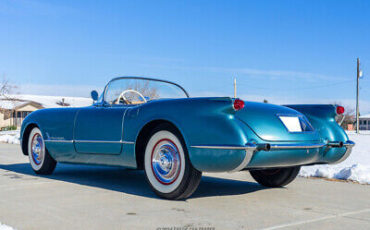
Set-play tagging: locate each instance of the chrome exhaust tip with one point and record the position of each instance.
(263, 147)
(336, 144)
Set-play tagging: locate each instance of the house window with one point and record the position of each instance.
(365, 122)
(360, 122)
(25, 113)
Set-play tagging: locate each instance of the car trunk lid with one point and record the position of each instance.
(276, 123)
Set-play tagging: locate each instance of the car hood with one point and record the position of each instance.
(264, 120)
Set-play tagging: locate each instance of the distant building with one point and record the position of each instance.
(13, 112)
(14, 108)
(364, 122)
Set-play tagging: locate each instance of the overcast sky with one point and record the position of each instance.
(284, 51)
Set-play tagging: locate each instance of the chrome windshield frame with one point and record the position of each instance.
(141, 78)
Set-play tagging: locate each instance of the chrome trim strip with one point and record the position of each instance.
(96, 141)
(349, 143)
(60, 141)
(91, 141)
(295, 146)
(222, 147)
(128, 142)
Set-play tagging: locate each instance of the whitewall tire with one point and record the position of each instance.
(167, 165)
(40, 160)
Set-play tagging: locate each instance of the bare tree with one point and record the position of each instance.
(145, 89)
(5, 94)
(6, 88)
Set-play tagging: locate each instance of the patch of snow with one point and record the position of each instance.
(9, 132)
(5, 227)
(10, 137)
(356, 167)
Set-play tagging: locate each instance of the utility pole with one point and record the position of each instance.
(234, 87)
(357, 98)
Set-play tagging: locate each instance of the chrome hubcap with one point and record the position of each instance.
(166, 161)
(37, 147)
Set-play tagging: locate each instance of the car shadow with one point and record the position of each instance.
(131, 181)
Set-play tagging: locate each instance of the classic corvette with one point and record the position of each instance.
(154, 125)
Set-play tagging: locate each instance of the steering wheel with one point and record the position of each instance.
(122, 95)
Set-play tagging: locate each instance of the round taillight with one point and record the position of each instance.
(238, 104)
(340, 110)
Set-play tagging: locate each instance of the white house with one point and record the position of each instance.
(365, 122)
(14, 108)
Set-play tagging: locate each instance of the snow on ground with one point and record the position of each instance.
(356, 167)
(5, 227)
(11, 137)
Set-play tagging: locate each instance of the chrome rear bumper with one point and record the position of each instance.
(251, 148)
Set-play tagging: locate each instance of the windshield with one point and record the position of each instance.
(135, 90)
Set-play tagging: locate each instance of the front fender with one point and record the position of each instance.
(30, 120)
(56, 123)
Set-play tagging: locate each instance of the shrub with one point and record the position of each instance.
(12, 127)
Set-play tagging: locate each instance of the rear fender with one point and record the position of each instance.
(322, 118)
(201, 121)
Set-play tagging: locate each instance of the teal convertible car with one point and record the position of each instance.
(154, 125)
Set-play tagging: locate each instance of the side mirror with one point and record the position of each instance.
(94, 95)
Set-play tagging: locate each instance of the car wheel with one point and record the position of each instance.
(40, 160)
(275, 177)
(167, 166)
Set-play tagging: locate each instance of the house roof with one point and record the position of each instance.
(20, 100)
(34, 104)
(11, 104)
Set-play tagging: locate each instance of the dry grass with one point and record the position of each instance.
(336, 180)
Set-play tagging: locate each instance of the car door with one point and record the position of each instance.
(98, 129)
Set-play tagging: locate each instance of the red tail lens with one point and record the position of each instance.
(238, 104)
(340, 110)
